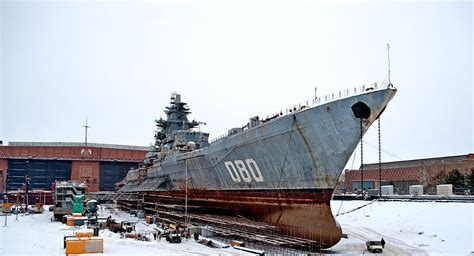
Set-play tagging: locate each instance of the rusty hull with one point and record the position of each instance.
(304, 213)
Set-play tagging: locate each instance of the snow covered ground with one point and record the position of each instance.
(37, 235)
(432, 228)
(416, 228)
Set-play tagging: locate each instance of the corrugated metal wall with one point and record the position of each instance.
(113, 172)
(42, 172)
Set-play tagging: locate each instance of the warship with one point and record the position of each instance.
(281, 170)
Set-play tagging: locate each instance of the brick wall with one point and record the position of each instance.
(86, 171)
(428, 173)
(84, 153)
(3, 174)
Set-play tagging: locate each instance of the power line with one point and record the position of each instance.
(384, 151)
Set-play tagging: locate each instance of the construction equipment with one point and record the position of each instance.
(374, 246)
(92, 207)
(38, 208)
(128, 226)
(64, 193)
(172, 236)
(124, 226)
(78, 204)
(6, 207)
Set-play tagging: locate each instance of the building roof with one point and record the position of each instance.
(418, 162)
(75, 144)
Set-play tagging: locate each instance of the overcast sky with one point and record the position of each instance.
(117, 63)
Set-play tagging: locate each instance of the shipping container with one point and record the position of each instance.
(444, 189)
(387, 190)
(416, 190)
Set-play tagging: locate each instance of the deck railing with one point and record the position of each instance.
(322, 100)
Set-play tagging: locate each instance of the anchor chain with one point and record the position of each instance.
(380, 159)
(361, 157)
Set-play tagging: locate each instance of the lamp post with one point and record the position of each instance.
(27, 182)
(6, 213)
(27, 187)
(17, 203)
(5, 183)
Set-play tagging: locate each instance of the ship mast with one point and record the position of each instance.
(388, 56)
(176, 119)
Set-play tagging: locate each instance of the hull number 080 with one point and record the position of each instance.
(244, 170)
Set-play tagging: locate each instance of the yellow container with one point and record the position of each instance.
(85, 233)
(6, 207)
(70, 221)
(78, 245)
(75, 245)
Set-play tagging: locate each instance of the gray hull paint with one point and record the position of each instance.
(304, 149)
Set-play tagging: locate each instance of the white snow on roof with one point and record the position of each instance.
(75, 144)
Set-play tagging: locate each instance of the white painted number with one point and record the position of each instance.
(246, 171)
(256, 176)
(232, 171)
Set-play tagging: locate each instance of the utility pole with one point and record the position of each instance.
(86, 127)
(27, 182)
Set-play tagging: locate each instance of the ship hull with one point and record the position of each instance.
(282, 172)
(285, 209)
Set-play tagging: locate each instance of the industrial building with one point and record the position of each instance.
(428, 172)
(100, 166)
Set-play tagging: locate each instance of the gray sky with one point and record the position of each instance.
(118, 62)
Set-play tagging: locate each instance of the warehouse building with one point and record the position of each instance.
(428, 172)
(100, 166)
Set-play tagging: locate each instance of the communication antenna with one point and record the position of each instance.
(86, 127)
(388, 56)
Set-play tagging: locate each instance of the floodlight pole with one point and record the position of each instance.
(17, 203)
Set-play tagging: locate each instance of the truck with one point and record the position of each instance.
(173, 236)
(374, 246)
(124, 226)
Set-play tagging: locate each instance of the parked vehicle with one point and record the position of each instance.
(124, 226)
(374, 246)
(173, 236)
